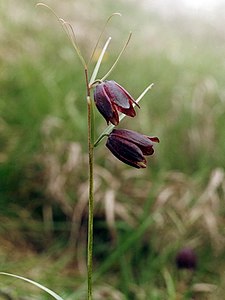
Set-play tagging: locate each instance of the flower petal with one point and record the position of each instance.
(144, 142)
(154, 139)
(126, 152)
(127, 94)
(104, 105)
(119, 95)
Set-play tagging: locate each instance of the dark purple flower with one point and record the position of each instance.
(186, 259)
(130, 146)
(111, 98)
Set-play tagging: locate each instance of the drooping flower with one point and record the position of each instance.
(130, 147)
(186, 259)
(111, 98)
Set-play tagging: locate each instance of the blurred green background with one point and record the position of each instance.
(142, 217)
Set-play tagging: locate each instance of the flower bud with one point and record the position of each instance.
(111, 98)
(186, 259)
(130, 146)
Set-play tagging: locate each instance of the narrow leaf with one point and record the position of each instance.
(50, 292)
(144, 92)
(116, 61)
(67, 27)
(99, 38)
(71, 35)
(169, 284)
(98, 64)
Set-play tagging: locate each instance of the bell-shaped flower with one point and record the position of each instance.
(111, 98)
(130, 147)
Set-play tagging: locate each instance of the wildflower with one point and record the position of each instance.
(186, 259)
(111, 98)
(130, 146)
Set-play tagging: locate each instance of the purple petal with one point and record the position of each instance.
(144, 142)
(104, 105)
(127, 94)
(126, 152)
(119, 95)
(129, 112)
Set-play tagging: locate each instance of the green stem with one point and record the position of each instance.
(91, 191)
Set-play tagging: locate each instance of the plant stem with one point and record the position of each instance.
(91, 190)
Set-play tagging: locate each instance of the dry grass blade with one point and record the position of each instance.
(110, 210)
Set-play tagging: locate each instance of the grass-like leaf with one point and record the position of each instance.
(98, 40)
(50, 292)
(116, 61)
(69, 31)
(169, 284)
(98, 64)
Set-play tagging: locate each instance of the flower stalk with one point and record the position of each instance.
(114, 103)
(91, 187)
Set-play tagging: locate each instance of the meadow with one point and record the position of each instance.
(142, 217)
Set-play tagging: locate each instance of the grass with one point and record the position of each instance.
(142, 217)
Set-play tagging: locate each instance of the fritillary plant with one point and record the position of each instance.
(114, 103)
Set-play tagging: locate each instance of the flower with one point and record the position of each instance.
(186, 259)
(111, 98)
(130, 146)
